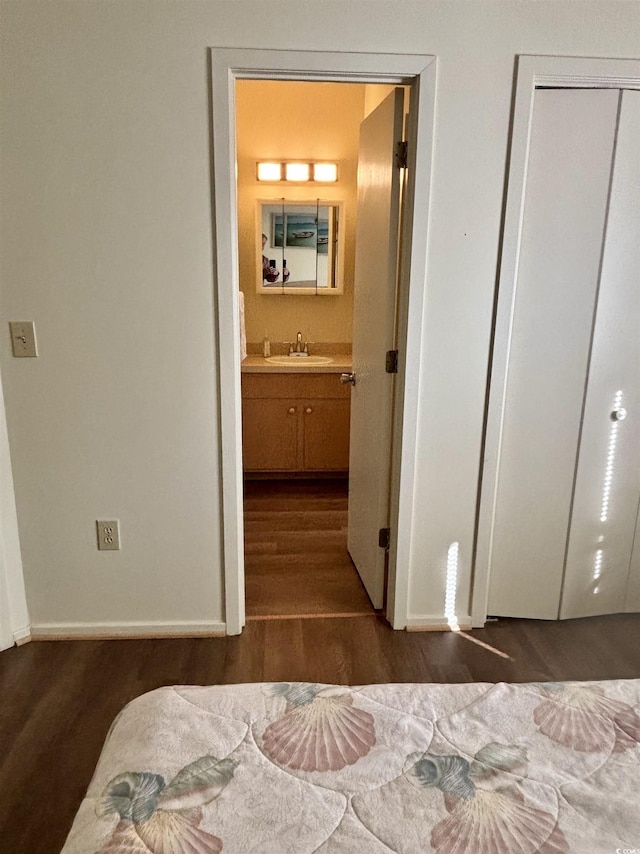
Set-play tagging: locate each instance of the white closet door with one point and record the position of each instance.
(633, 584)
(605, 505)
(569, 168)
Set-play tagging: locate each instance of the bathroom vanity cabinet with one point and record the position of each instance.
(295, 423)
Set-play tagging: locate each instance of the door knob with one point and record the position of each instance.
(308, 410)
(348, 378)
(292, 411)
(619, 414)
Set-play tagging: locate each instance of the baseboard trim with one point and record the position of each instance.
(22, 636)
(109, 631)
(438, 623)
(333, 615)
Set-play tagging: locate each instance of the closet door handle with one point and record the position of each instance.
(292, 410)
(308, 410)
(619, 414)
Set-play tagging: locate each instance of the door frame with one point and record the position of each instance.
(532, 72)
(419, 71)
(15, 626)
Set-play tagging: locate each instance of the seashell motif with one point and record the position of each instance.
(494, 758)
(124, 840)
(132, 795)
(163, 833)
(627, 723)
(161, 819)
(197, 784)
(297, 693)
(177, 832)
(496, 822)
(450, 774)
(325, 734)
(585, 720)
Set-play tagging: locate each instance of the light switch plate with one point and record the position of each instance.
(23, 339)
(108, 535)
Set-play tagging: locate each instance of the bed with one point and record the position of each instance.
(279, 768)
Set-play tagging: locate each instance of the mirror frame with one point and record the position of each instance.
(280, 289)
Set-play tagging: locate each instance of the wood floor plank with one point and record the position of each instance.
(298, 500)
(296, 520)
(296, 558)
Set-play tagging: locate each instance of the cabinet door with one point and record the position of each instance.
(270, 434)
(326, 435)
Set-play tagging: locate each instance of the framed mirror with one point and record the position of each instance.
(300, 246)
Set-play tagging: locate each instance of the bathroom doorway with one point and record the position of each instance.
(268, 65)
(312, 546)
(296, 413)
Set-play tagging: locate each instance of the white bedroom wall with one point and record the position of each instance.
(106, 244)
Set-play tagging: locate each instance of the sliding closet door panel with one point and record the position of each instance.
(568, 176)
(633, 583)
(608, 475)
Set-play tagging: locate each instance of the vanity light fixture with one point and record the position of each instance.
(327, 172)
(269, 171)
(297, 171)
(274, 173)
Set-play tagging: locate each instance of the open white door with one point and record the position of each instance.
(377, 228)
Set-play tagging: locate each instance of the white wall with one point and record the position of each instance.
(106, 244)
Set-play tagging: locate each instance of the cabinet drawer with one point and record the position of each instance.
(294, 386)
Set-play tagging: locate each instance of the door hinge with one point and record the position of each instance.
(401, 154)
(384, 537)
(391, 364)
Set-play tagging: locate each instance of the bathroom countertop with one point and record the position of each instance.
(259, 365)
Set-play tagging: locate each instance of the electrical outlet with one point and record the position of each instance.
(23, 338)
(108, 535)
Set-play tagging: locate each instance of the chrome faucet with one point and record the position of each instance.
(301, 349)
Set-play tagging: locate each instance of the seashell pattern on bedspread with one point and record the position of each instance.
(278, 768)
(321, 730)
(160, 818)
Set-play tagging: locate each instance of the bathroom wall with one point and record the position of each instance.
(375, 93)
(282, 120)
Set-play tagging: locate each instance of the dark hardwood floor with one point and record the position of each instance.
(57, 699)
(296, 558)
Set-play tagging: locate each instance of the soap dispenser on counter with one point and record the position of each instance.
(266, 347)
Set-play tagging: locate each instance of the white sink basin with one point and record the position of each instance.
(299, 360)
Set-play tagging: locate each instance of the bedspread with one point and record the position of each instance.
(291, 768)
